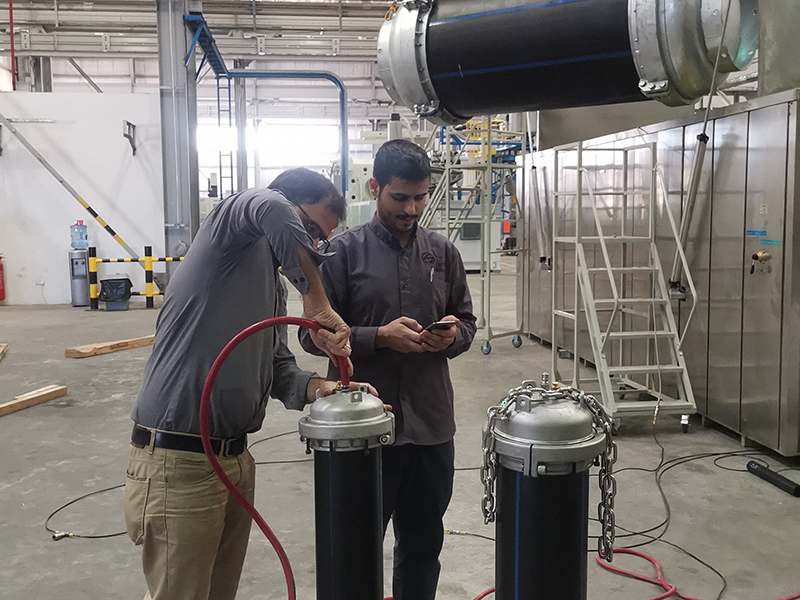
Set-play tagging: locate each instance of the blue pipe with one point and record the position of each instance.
(343, 136)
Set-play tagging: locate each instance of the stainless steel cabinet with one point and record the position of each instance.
(743, 346)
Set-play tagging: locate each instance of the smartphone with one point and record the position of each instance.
(440, 325)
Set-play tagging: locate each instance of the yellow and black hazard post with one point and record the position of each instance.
(93, 295)
(149, 292)
(148, 275)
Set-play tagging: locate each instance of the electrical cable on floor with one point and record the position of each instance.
(272, 437)
(662, 467)
(279, 462)
(60, 535)
(755, 457)
(467, 533)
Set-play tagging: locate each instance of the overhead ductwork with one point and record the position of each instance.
(451, 59)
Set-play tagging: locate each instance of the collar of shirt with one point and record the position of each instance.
(387, 237)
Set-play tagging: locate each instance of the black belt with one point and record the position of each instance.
(146, 438)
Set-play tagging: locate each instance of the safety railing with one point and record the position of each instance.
(148, 260)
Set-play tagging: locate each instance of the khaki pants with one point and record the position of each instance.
(192, 532)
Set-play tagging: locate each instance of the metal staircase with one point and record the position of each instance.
(619, 312)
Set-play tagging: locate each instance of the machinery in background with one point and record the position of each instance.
(441, 59)
(474, 203)
(346, 431)
(538, 446)
(360, 203)
(473, 199)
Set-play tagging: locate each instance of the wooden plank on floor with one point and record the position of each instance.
(3, 350)
(33, 398)
(106, 347)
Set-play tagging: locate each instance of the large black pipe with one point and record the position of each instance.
(530, 55)
(541, 537)
(349, 536)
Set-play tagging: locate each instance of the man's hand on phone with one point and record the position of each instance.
(402, 335)
(442, 339)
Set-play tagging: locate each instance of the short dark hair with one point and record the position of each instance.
(303, 186)
(402, 159)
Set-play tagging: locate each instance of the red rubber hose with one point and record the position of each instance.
(670, 590)
(482, 595)
(205, 435)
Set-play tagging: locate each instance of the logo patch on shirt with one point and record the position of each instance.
(428, 258)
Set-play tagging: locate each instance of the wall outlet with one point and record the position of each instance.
(40, 281)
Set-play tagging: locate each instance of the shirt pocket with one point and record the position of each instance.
(441, 293)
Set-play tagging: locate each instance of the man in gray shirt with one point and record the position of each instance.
(389, 279)
(193, 533)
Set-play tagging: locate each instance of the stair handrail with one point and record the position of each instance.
(441, 189)
(606, 256)
(681, 252)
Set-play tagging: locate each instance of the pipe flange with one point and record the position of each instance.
(644, 28)
(675, 42)
(403, 62)
(347, 444)
(535, 459)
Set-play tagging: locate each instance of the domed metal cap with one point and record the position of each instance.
(347, 420)
(547, 433)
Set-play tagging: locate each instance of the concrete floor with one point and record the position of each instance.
(57, 451)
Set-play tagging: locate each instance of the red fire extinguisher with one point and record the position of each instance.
(2, 280)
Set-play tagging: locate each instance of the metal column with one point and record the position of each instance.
(178, 129)
(240, 116)
(41, 74)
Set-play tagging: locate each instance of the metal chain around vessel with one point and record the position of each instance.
(607, 482)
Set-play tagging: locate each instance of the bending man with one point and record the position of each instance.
(193, 533)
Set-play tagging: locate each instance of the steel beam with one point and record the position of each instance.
(85, 75)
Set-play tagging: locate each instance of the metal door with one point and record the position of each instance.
(764, 232)
(727, 269)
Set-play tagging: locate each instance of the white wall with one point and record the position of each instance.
(85, 144)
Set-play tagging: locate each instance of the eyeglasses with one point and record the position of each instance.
(312, 227)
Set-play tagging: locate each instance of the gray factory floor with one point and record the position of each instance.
(52, 453)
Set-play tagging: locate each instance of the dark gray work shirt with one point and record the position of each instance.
(227, 281)
(370, 281)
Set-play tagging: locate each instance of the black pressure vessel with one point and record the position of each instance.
(530, 55)
(349, 525)
(541, 537)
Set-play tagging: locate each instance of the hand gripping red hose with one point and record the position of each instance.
(205, 400)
